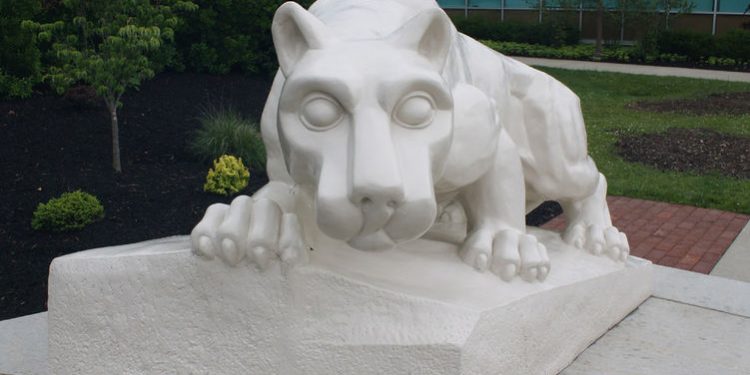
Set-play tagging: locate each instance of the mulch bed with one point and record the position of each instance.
(50, 145)
(729, 103)
(692, 150)
(689, 150)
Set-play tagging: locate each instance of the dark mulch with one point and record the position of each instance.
(689, 150)
(727, 103)
(50, 145)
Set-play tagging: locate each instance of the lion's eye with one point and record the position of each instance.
(415, 111)
(321, 113)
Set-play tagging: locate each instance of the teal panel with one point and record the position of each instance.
(704, 5)
(451, 3)
(485, 4)
(611, 4)
(561, 4)
(521, 4)
(733, 6)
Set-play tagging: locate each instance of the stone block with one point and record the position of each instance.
(155, 308)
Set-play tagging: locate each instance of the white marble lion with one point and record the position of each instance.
(383, 118)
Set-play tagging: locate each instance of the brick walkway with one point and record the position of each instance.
(672, 235)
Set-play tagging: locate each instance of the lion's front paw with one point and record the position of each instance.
(255, 230)
(598, 240)
(507, 253)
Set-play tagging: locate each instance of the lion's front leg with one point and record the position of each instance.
(590, 226)
(495, 209)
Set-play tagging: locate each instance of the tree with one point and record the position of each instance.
(674, 8)
(644, 14)
(110, 45)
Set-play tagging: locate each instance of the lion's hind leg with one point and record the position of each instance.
(556, 165)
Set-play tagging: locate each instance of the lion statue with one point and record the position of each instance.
(384, 122)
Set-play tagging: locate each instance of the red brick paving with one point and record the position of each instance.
(672, 235)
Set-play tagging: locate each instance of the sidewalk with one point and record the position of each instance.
(636, 69)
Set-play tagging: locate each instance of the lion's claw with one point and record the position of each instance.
(507, 254)
(598, 240)
(256, 230)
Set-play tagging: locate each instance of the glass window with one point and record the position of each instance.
(521, 4)
(704, 5)
(733, 6)
(451, 3)
(485, 4)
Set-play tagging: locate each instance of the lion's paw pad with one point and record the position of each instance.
(507, 253)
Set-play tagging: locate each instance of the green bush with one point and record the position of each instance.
(548, 33)
(228, 176)
(577, 52)
(734, 44)
(693, 45)
(20, 62)
(15, 87)
(71, 211)
(225, 35)
(226, 131)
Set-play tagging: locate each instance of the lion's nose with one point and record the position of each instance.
(377, 198)
(376, 214)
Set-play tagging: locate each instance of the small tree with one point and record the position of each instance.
(109, 45)
(674, 8)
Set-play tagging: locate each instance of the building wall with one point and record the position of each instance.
(729, 15)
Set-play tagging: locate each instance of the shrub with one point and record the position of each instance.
(19, 55)
(691, 44)
(229, 35)
(71, 211)
(578, 52)
(226, 131)
(15, 87)
(734, 44)
(228, 176)
(548, 33)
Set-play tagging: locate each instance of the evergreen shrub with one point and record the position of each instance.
(71, 211)
(228, 176)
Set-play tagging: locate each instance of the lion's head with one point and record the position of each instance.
(366, 123)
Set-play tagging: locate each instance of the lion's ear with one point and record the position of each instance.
(296, 31)
(429, 33)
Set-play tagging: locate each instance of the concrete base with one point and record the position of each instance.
(23, 345)
(154, 308)
(736, 261)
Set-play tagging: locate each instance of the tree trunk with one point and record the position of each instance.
(115, 137)
(599, 28)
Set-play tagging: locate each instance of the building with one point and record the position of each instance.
(709, 16)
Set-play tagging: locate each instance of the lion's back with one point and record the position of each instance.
(368, 19)
(541, 115)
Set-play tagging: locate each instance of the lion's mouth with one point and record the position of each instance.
(379, 240)
(372, 236)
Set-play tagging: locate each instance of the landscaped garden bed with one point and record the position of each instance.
(701, 151)
(51, 145)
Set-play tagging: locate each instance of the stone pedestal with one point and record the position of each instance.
(154, 308)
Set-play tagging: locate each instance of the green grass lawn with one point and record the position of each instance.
(603, 98)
